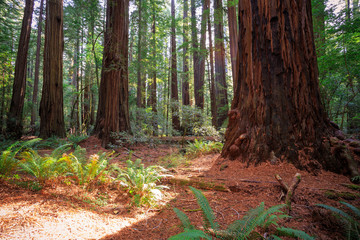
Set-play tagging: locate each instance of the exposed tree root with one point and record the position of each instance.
(289, 190)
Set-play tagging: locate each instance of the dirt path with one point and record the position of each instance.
(63, 211)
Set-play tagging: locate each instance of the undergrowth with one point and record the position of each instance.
(140, 182)
(245, 228)
(200, 147)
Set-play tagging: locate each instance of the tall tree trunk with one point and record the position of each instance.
(233, 33)
(212, 74)
(51, 104)
(153, 100)
(276, 109)
(174, 83)
(140, 90)
(196, 57)
(220, 77)
(199, 85)
(14, 118)
(113, 109)
(37, 67)
(186, 77)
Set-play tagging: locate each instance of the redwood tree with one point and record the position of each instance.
(113, 109)
(276, 110)
(220, 77)
(174, 84)
(233, 33)
(51, 104)
(185, 83)
(14, 120)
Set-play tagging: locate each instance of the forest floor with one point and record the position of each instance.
(66, 211)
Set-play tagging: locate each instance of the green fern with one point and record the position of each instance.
(184, 219)
(351, 224)
(191, 234)
(9, 158)
(294, 233)
(208, 215)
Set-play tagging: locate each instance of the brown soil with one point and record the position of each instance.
(63, 210)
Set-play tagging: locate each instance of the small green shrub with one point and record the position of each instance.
(173, 160)
(51, 143)
(141, 182)
(200, 147)
(44, 167)
(76, 139)
(9, 158)
(86, 170)
(244, 228)
(350, 221)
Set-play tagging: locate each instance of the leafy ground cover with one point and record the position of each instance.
(62, 209)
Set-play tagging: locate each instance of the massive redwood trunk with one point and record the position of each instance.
(113, 109)
(276, 111)
(51, 104)
(233, 33)
(14, 120)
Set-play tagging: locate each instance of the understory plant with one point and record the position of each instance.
(44, 167)
(245, 228)
(200, 147)
(349, 220)
(140, 182)
(9, 159)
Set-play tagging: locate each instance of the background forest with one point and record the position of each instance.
(204, 44)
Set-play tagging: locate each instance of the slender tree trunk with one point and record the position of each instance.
(186, 77)
(276, 109)
(37, 67)
(233, 33)
(140, 89)
(113, 109)
(153, 84)
(51, 104)
(199, 92)
(174, 84)
(212, 74)
(220, 77)
(14, 118)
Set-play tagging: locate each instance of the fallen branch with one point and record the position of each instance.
(289, 191)
(197, 183)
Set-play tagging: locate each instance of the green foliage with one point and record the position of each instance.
(173, 160)
(245, 228)
(76, 139)
(9, 158)
(350, 221)
(141, 182)
(51, 143)
(86, 170)
(43, 167)
(200, 147)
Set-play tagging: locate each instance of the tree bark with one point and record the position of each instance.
(174, 84)
(212, 74)
(276, 106)
(14, 118)
(37, 67)
(220, 77)
(51, 104)
(153, 99)
(113, 110)
(199, 84)
(185, 83)
(140, 90)
(233, 33)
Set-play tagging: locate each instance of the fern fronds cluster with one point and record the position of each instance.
(242, 229)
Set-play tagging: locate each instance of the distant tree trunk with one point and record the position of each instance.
(113, 109)
(276, 109)
(37, 67)
(14, 118)
(199, 85)
(212, 78)
(196, 57)
(220, 77)
(140, 90)
(153, 98)
(319, 25)
(74, 115)
(233, 33)
(174, 84)
(185, 83)
(51, 104)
